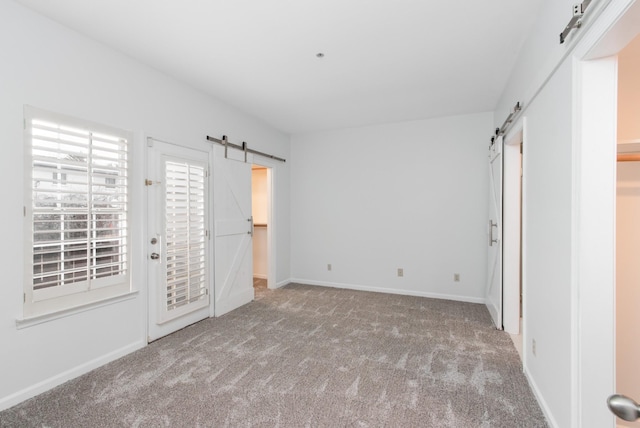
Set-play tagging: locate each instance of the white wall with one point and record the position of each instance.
(411, 195)
(51, 67)
(547, 211)
(546, 207)
(547, 197)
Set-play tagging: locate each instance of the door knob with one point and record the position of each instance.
(155, 256)
(624, 407)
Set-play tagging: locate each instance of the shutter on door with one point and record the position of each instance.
(185, 222)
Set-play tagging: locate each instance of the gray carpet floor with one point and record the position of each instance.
(304, 356)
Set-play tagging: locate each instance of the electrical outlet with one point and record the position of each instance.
(329, 266)
(456, 277)
(533, 347)
(400, 272)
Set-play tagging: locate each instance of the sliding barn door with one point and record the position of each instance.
(178, 238)
(233, 230)
(493, 293)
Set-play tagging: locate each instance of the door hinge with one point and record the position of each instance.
(206, 233)
(24, 297)
(24, 211)
(148, 182)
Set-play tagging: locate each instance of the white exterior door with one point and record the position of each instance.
(178, 237)
(233, 230)
(493, 293)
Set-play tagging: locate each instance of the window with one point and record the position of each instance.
(76, 212)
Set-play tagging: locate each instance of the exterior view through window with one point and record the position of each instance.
(78, 211)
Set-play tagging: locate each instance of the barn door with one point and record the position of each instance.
(178, 237)
(493, 293)
(233, 229)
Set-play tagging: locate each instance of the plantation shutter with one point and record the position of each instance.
(185, 221)
(79, 197)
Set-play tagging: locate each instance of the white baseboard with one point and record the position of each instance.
(454, 297)
(493, 311)
(541, 401)
(52, 382)
(283, 283)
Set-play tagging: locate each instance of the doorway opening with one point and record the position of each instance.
(260, 210)
(627, 279)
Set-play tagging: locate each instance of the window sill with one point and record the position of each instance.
(40, 319)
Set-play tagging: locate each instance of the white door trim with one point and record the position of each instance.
(593, 210)
(511, 230)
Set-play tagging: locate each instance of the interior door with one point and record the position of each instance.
(233, 229)
(178, 237)
(493, 293)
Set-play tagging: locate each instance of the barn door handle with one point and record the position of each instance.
(491, 226)
(250, 220)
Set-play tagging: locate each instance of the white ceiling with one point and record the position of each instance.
(385, 60)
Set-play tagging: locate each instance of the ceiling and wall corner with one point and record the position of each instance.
(384, 61)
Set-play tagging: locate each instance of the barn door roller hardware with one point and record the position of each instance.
(227, 145)
(507, 123)
(576, 19)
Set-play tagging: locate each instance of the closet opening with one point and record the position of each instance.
(261, 212)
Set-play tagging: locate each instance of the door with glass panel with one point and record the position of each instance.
(177, 237)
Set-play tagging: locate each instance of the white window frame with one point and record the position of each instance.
(47, 301)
